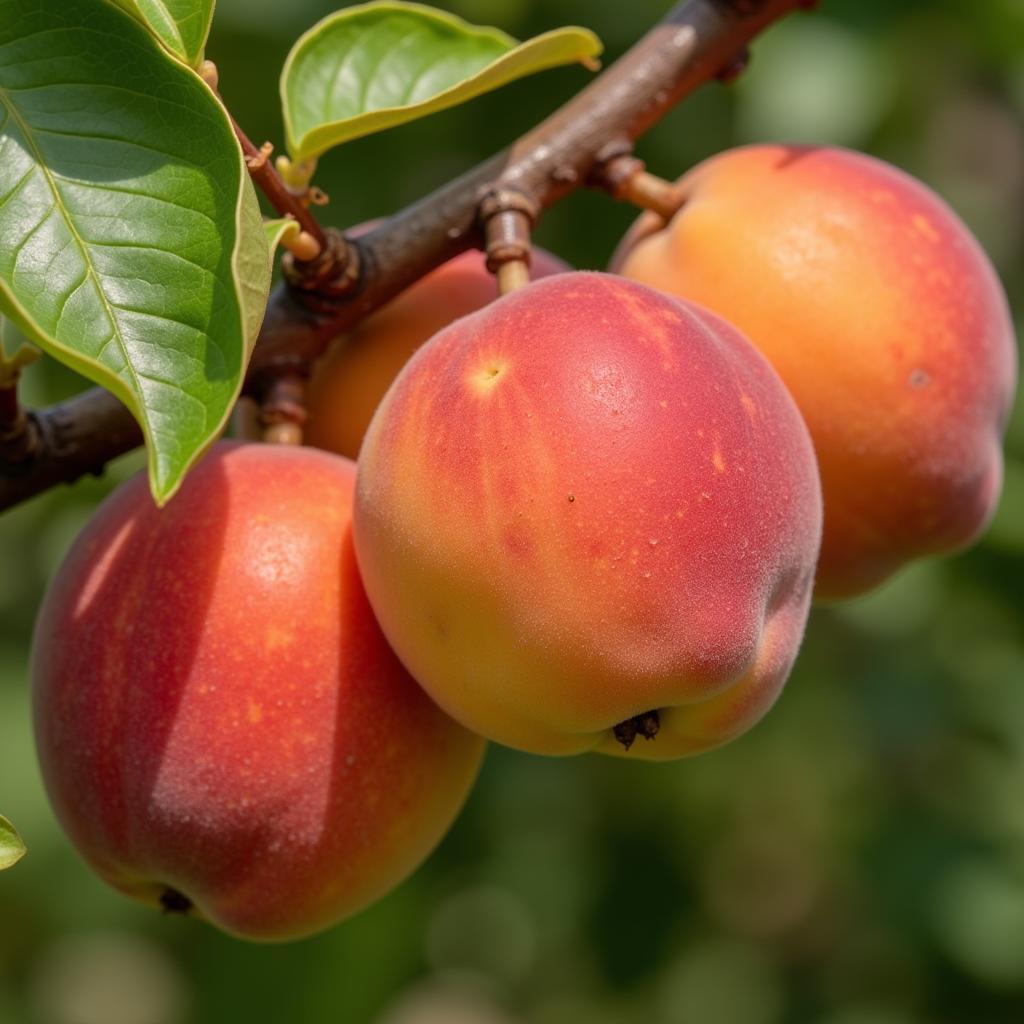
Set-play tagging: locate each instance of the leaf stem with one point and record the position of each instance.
(265, 177)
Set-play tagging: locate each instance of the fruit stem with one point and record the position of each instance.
(507, 216)
(623, 176)
(513, 275)
(283, 409)
(650, 192)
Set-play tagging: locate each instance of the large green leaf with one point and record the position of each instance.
(380, 64)
(130, 241)
(181, 25)
(12, 849)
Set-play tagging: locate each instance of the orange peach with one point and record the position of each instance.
(587, 513)
(222, 728)
(349, 382)
(884, 318)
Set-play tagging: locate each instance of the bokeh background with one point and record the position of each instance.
(858, 858)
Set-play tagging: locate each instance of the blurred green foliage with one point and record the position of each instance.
(858, 858)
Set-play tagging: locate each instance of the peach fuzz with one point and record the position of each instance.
(584, 503)
(884, 318)
(221, 726)
(350, 380)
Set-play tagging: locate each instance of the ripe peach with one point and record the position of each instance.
(884, 318)
(588, 511)
(220, 723)
(349, 382)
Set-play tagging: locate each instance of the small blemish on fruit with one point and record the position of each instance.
(572, 497)
(919, 378)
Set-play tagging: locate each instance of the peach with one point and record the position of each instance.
(222, 728)
(350, 380)
(587, 513)
(884, 318)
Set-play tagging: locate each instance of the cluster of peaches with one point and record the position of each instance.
(590, 515)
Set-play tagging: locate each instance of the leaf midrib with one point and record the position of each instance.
(90, 270)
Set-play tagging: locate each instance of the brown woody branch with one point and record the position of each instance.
(73, 439)
(698, 40)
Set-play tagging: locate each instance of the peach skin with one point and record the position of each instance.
(222, 728)
(588, 515)
(349, 381)
(884, 318)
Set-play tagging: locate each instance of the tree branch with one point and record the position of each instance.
(697, 41)
(75, 438)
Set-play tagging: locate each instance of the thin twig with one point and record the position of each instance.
(268, 181)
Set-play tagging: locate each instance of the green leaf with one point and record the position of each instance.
(130, 240)
(253, 266)
(181, 25)
(12, 849)
(377, 65)
(277, 230)
(16, 352)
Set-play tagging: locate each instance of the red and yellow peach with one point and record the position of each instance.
(222, 727)
(586, 503)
